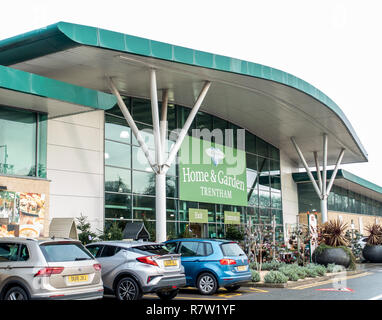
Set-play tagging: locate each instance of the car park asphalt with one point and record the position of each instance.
(363, 286)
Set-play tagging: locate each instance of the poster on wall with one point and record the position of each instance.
(22, 214)
(213, 173)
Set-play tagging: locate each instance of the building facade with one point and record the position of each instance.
(67, 148)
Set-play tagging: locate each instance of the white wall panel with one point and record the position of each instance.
(75, 167)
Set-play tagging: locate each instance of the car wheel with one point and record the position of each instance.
(128, 289)
(16, 293)
(207, 283)
(168, 294)
(232, 288)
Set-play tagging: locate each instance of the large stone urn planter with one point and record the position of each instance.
(372, 253)
(331, 255)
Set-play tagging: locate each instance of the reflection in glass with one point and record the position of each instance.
(117, 129)
(143, 182)
(17, 142)
(117, 154)
(143, 207)
(117, 180)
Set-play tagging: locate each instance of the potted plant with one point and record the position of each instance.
(333, 245)
(372, 251)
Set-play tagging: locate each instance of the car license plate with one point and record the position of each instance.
(78, 278)
(170, 263)
(241, 268)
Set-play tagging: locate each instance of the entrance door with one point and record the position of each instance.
(199, 230)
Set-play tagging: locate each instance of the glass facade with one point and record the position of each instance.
(340, 199)
(130, 182)
(23, 142)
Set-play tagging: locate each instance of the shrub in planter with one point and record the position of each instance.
(255, 276)
(333, 246)
(290, 272)
(272, 265)
(311, 272)
(373, 250)
(275, 277)
(254, 265)
(319, 269)
(332, 267)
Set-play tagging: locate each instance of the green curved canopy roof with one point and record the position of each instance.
(56, 98)
(270, 103)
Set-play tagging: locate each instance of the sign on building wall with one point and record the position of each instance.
(198, 215)
(212, 173)
(231, 217)
(21, 214)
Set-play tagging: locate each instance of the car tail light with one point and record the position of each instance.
(226, 262)
(97, 267)
(47, 272)
(148, 260)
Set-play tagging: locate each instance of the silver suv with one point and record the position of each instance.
(48, 269)
(133, 268)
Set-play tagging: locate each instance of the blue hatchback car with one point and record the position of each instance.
(212, 263)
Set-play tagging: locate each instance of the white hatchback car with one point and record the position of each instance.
(48, 269)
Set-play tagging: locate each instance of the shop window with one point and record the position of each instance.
(117, 129)
(142, 110)
(144, 208)
(144, 182)
(274, 153)
(117, 154)
(18, 142)
(250, 142)
(171, 187)
(184, 206)
(117, 201)
(171, 209)
(262, 147)
(253, 197)
(276, 200)
(211, 210)
(147, 135)
(117, 213)
(265, 216)
(171, 234)
(203, 121)
(117, 180)
(212, 230)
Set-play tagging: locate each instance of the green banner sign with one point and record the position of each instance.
(231, 217)
(212, 173)
(198, 215)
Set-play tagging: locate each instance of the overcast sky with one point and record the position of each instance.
(334, 45)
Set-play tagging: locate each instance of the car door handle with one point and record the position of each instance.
(8, 268)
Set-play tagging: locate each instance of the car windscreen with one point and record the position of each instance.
(150, 250)
(232, 249)
(62, 252)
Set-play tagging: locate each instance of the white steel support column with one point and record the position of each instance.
(324, 163)
(160, 167)
(187, 124)
(318, 170)
(132, 124)
(163, 121)
(160, 207)
(302, 158)
(323, 189)
(341, 155)
(160, 177)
